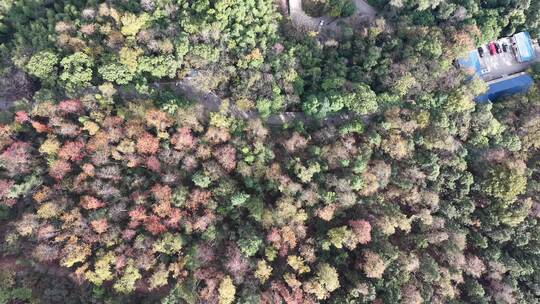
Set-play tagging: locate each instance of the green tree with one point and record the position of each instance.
(132, 24)
(364, 100)
(116, 72)
(43, 65)
(201, 180)
(102, 270)
(504, 183)
(340, 8)
(159, 66)
(325, 281)
(250, 246)
(126, 283)
(77, 71)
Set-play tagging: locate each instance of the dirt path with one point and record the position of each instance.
(363, 8)
(300, 19)
(212, 103)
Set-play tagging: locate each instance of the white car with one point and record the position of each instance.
(321, 24)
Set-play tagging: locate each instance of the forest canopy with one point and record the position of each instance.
(212, 151)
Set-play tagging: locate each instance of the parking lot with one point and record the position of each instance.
(505, 63)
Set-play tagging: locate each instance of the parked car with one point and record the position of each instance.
(481, 52)
(505, 47)
(498, 47)
(492, 49)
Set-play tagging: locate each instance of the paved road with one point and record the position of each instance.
(300, 19)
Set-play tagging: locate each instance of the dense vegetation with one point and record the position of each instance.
(116, 190)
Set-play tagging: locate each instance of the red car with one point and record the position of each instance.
(492, 48)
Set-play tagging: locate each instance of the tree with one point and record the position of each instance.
(325, 281)
(126, 283)
(102, 270)
(16, 158)
(43, 65)
(364, 100)
(147, 144)
(201, 180)
(115, 72)
(298, 264)
(159, 67)
(250, 246)
(264, 271)
(338, 236)
(504, 183)
(132, 24)
(226, 291)
(362, 231)
(340, 8)
(159, 278)
(77, 71)
(373, 264)
(168, 243)
(74, 253)
(305, 174)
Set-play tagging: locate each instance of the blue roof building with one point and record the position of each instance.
(508, 86)
(471, 63)
(503, 71)
(524, 47)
